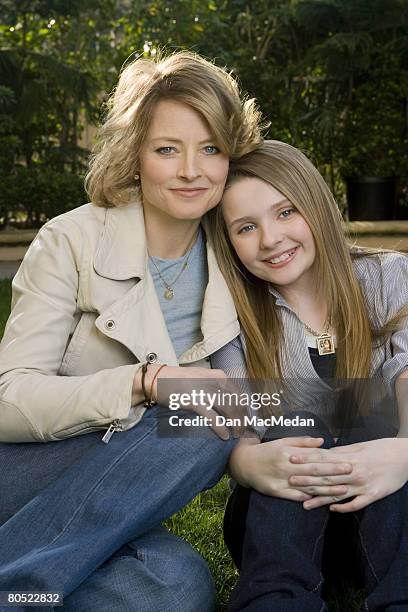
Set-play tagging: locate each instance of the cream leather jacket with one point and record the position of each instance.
(85, 315)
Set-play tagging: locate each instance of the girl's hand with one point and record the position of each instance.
(188, 379)
(379, 468)
(267, 468)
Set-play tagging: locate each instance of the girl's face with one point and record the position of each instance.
(182, 171)
(270, 237)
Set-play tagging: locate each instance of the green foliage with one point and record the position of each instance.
(38, 193)
(358, 54)
(330, 75)
(5, 300)
(374, 143)
(51, 79)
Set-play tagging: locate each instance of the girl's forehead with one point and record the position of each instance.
(254, 185)
(251, 192)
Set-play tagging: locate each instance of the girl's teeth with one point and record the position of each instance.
(282, 257)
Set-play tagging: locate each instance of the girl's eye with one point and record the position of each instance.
(248, 228)
(211, 150)
(287, 213)
(165, 150)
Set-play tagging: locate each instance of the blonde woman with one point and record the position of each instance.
(313, 312)
(111, 298)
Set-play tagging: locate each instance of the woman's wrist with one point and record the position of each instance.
(149, 378)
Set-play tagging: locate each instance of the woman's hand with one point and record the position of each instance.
(188, 379)
(267, 467)
(379, 468)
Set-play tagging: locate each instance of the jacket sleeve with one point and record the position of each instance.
(36, 404)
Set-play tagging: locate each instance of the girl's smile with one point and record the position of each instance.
(279, 261)
(270, 237)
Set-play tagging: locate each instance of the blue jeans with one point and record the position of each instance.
(279, 545)
(80, 516)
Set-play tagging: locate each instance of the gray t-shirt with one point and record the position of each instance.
(182, 314)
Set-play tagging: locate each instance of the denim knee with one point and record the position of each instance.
(195, 589)
(186, 581)
(157, 571)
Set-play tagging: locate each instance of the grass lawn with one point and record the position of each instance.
(201, 521)
(201, 524)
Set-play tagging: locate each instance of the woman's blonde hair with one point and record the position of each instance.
(291, 173)
(184, 77)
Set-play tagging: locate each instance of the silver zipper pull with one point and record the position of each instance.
(115, 426)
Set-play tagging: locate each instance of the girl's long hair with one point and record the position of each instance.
(291, 173)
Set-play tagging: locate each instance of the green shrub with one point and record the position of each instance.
(38, 193)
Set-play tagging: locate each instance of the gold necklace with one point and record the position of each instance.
(324, 341)
(168, 287)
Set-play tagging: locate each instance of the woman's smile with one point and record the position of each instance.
(189, 192)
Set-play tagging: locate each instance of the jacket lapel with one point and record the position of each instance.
(135, 319)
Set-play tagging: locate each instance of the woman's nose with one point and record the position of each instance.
(189, 167)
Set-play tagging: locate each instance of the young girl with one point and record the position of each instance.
(312, 309)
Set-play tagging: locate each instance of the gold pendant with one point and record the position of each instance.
(325, 344)
(168, 294)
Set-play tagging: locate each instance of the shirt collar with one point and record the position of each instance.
(280, 301)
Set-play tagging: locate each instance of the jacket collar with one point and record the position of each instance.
(122, 252)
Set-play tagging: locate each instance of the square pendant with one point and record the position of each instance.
(325, 344)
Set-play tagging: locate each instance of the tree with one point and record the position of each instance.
(53, 71)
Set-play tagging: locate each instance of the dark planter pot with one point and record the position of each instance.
(371, 198)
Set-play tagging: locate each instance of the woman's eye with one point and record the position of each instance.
(211, 150)
(165, 150)
(287, 213)
(248, 228)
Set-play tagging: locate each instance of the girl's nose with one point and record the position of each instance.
(271, 236)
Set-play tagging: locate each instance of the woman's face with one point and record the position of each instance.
(270, 237)
(182, 171)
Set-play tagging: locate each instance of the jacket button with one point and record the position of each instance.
(151, 357)
(110, 324)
